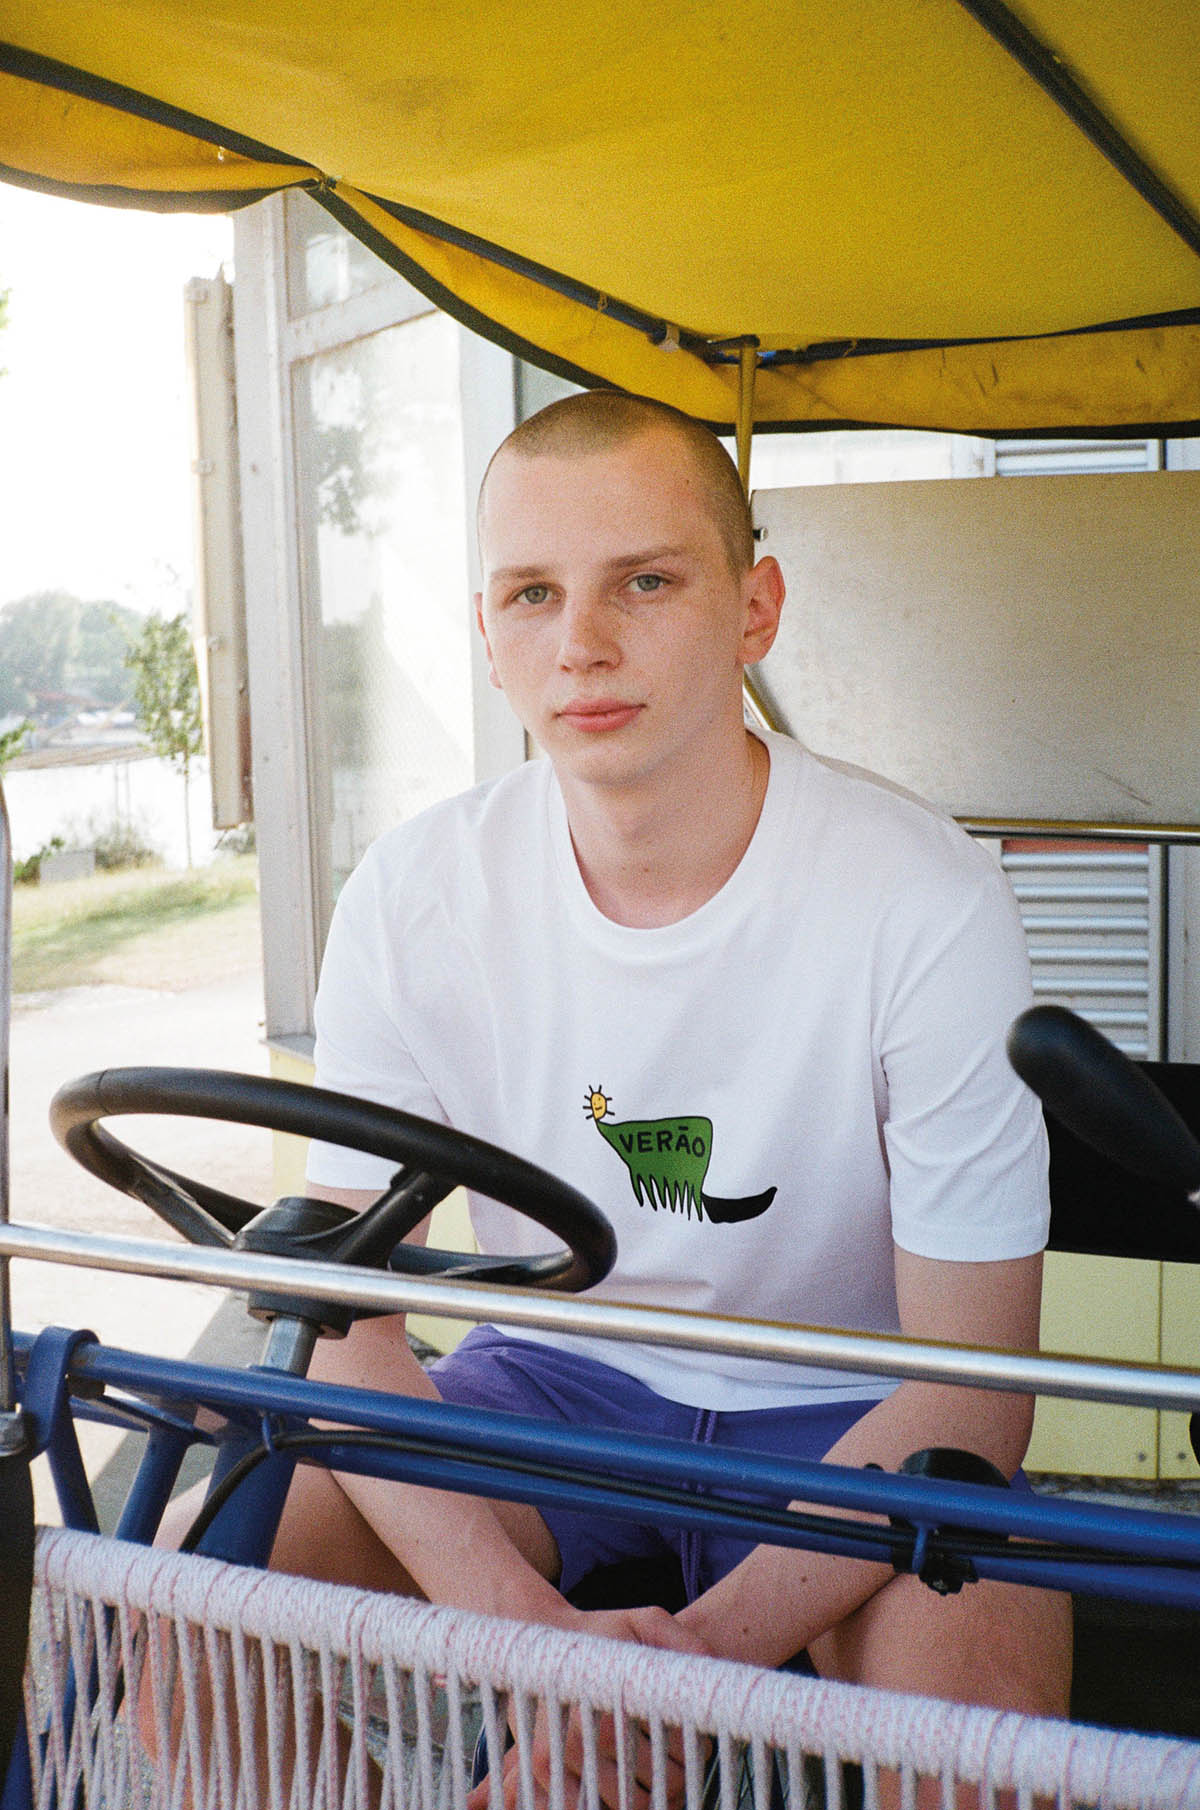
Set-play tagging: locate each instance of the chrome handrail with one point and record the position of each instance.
(872, 1354)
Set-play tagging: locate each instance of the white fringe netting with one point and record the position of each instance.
(260, 1690)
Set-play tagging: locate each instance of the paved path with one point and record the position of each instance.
(57, 1036)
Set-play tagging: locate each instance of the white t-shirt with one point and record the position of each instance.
(760, 1097)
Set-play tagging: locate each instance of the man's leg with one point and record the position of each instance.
(322, 1535)
(994, 1644)
(1005, 1645)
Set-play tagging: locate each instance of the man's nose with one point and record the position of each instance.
(586, 632)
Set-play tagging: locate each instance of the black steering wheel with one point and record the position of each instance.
(431, 1159)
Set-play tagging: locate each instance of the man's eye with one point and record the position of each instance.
(534, 593)
(646, 582)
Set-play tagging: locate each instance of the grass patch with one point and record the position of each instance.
(142, 927)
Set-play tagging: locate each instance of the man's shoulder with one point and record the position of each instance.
(881, 829)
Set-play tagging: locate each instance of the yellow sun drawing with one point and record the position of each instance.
(596, 1103)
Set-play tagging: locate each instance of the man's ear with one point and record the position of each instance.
(765, 592)
(487, 646)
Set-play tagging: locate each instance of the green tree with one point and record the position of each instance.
(53, 644)
(12, 742)
(166, 689)
(103, 634)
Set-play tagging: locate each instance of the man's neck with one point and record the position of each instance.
(648, 861)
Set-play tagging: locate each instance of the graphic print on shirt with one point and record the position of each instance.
(667, 1160)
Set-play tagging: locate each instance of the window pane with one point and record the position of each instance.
(325, 264)
(537, 388)
(384, 575)
(863, 456)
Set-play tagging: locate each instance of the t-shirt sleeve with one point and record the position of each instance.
(965, 1138)
(360, 1045)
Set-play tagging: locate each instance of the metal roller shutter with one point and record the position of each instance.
(1093, 920)
(1032, 458)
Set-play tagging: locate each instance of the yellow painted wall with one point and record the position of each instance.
(1114, 1307)
(1180, 1345)
(1098, 1307)
(450, 1229)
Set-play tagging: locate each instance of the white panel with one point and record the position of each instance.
(219, 606)
(1024, 651)
(277, 701)
(489, 412)
(1183, 955)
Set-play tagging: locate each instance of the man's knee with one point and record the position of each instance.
(1004, 1645)
(322, 1535)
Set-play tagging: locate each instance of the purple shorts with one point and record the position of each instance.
(491, 1370)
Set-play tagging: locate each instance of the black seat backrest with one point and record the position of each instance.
(1098, 1208)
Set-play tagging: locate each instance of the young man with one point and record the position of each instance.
(752, 1004)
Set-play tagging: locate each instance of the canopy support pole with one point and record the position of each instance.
(757, 711)
(747, 372)
(755, 705)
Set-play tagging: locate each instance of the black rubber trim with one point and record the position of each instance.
(483, 324)
(1087, 430)
(49, 73)
(155, 201)
(725, 351)
(453, 305)
(830, 350)
(1055, 80)
(654, 326)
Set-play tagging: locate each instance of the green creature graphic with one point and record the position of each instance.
(667, 1160)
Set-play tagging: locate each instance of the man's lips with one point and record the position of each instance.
(595, 715)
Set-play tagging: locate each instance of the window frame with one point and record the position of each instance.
(270, 342)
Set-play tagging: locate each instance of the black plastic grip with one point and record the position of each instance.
(1103, 1097)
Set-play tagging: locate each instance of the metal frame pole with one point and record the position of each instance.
(8, 1393)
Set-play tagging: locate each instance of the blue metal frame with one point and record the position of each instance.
(67, 1376)
(1132, 1553)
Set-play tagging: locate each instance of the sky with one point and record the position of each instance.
(95, 476)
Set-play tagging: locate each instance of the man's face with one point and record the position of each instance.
(613, 620)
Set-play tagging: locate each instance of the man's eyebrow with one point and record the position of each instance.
(651, 557)
(508, 573)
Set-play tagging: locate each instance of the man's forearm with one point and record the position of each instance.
(779, 1599)
(457, 1549)
(492, 1557)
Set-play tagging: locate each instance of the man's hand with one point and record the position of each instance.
(652, 1627)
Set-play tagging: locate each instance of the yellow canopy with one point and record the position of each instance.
(929, 213)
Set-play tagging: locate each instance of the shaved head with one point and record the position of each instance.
(597, 421)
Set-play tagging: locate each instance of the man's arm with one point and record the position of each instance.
(779, 1600)
(495, 1557)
